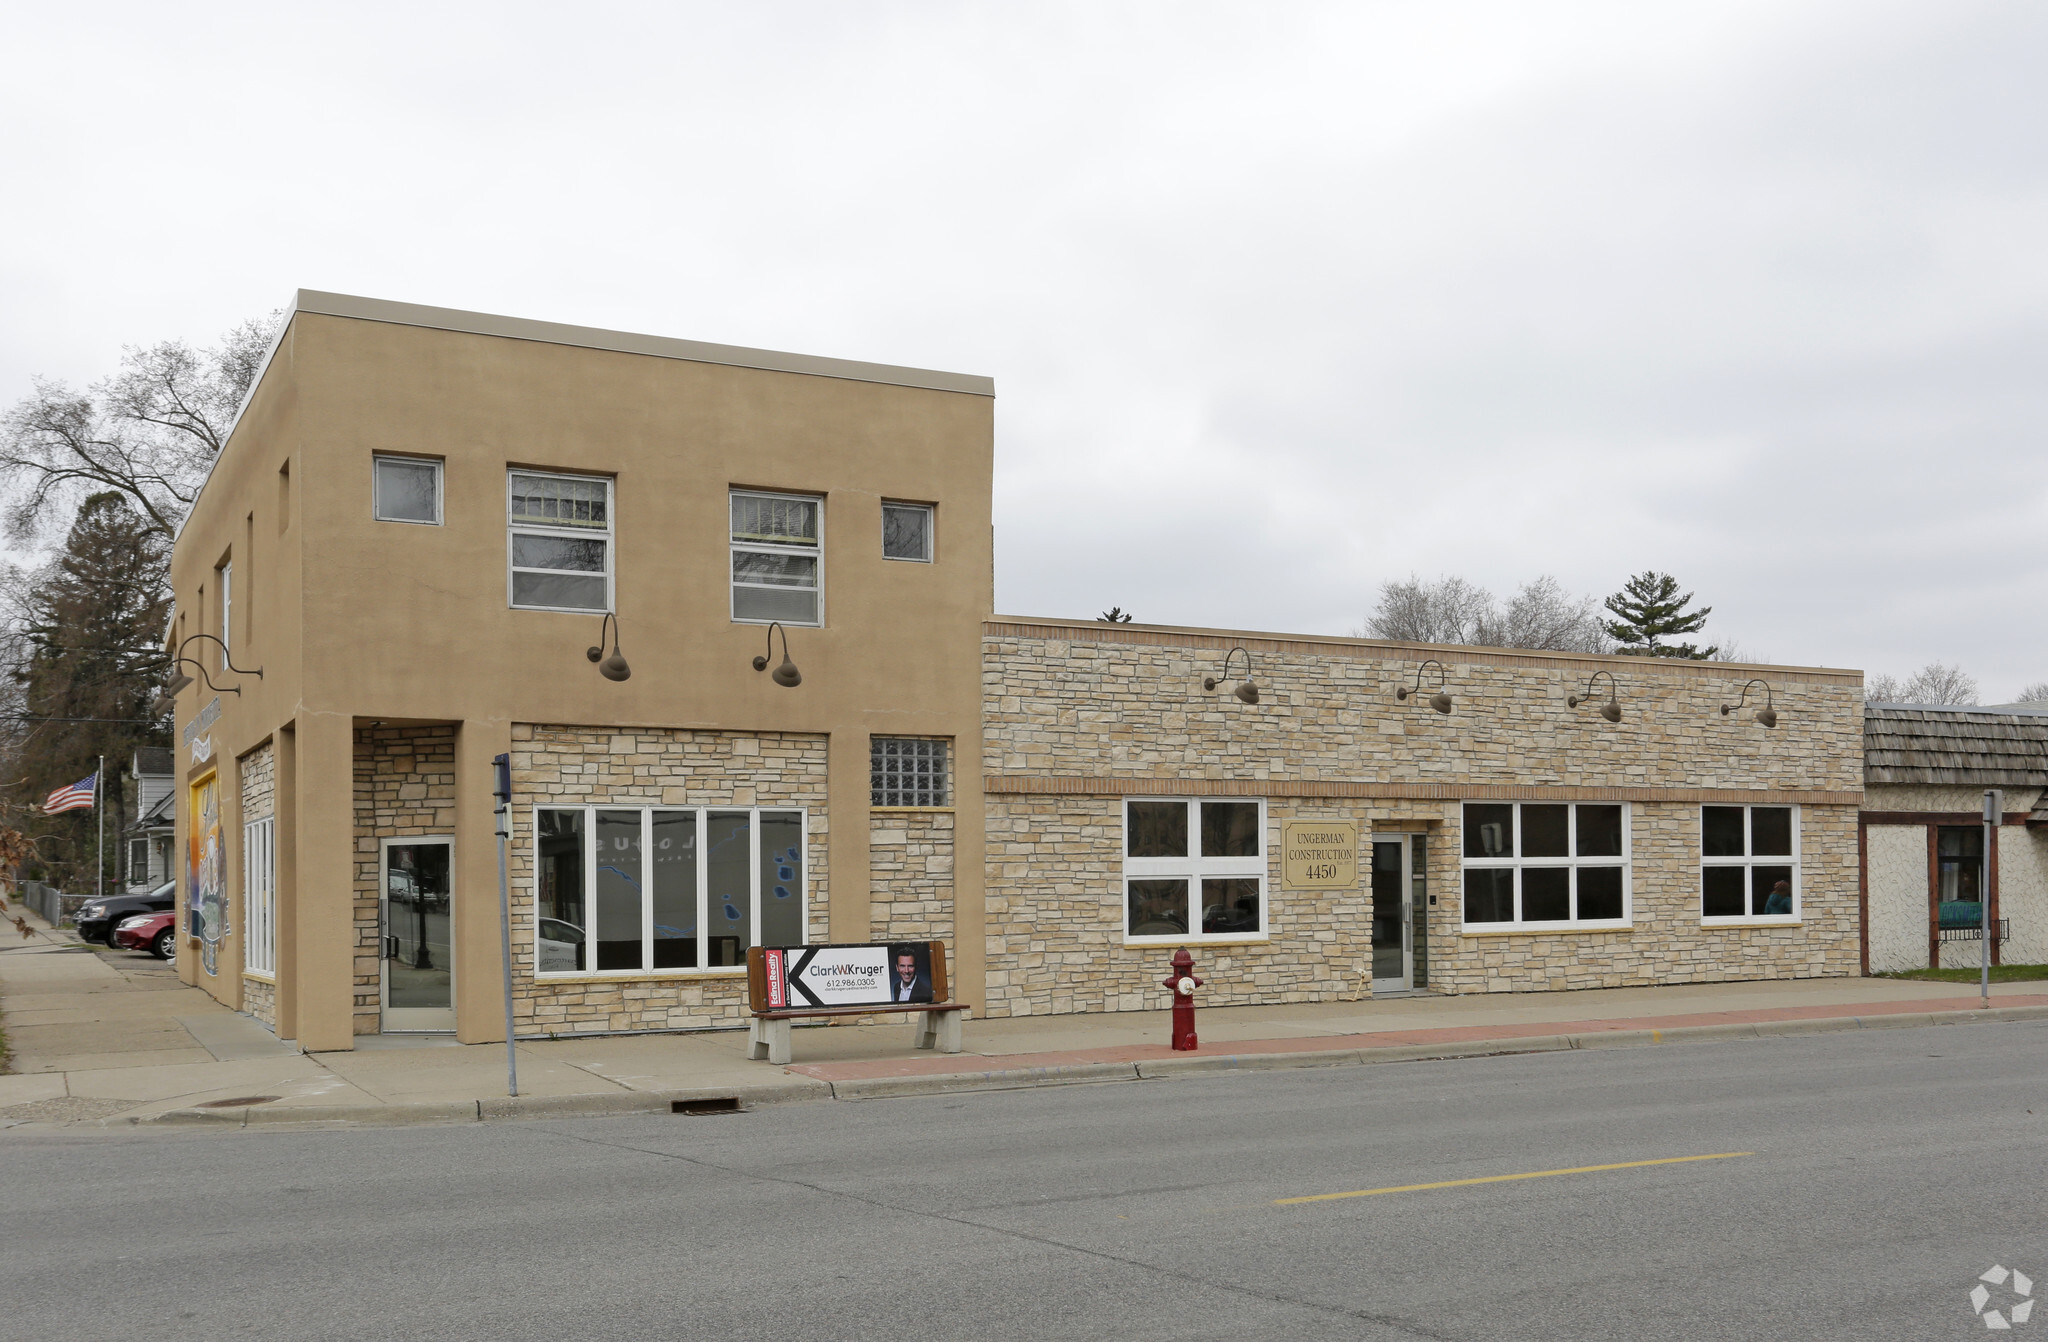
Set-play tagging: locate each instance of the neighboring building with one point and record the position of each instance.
(1925, 774)
(150, 840)
(422, 517)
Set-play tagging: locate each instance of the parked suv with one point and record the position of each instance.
(97, 917)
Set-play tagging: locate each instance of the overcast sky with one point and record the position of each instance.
(1281, 301)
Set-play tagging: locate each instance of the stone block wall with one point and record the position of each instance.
(577, 765)
(404, 786)
(257, 772)
(1078, 718)
(1130, 703)
(910, 875)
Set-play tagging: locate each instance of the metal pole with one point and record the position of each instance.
(501, 766)
(1994, 804)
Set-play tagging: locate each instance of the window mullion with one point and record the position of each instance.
(753, 877)
(646, 889)
(703, 833)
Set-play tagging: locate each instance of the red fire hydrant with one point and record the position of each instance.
(1183, 983)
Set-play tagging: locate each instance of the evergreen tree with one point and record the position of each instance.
(91, 624)
(1651, 608)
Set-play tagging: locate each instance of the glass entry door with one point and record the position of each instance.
(1400, 919)
(419, 948)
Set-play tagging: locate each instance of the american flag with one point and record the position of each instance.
(74, 798)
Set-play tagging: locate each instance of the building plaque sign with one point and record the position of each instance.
(1319, 854)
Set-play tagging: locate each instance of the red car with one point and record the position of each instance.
(156, 933)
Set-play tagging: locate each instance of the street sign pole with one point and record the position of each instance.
(501, 766)
(1994, 804)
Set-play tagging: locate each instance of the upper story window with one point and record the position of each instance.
(224, 583)
(561, 541)
(1749, 862)
(907, 532)
(1545, 864)
(777, 557)
(406, 489)
(1194, 870)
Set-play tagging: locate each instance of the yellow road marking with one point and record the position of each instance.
(1505, 1178)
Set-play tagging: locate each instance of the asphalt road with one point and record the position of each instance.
(1888, 1169)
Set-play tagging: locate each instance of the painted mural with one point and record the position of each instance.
(206, 870)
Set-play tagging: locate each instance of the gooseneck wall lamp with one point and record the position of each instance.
(1441, 700)
(168, 700)
(227, 662)
(1611, 710)
(613, 667)
(1767, 715)
(1247, 692)
(785, 675)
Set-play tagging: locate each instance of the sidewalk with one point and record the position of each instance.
(112, 1038)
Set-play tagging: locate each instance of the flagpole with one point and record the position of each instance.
(99, 792)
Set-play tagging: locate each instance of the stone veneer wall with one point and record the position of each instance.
(1076, 718)
(404, 786)
(574, 765)
(910, 875)
(257, 772)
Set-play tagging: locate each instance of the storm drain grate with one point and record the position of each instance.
(724, 1104)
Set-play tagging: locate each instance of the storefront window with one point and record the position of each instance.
(1546, 864)
(657, 897)
(1194, 870)
(1749, 863)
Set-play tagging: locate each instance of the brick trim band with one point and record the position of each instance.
(1059, 786)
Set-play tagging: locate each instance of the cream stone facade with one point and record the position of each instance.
(1080, 718)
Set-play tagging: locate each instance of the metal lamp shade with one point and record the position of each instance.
(1440, 701)
(1767, 716)
(614, 667)
(1248, 692)
(178, 683)
(1611, 710)
(786, 675)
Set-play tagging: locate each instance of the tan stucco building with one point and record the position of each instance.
(422, 517)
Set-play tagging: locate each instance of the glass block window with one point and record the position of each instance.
(908, 771)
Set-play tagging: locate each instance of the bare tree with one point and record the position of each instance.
(2036, 693)
(1451, 610)
(1544, 615)
(1933, 683)
(1731, 651)
(1448, 610)
(150, 432)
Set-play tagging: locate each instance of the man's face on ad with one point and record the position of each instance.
(906, 967)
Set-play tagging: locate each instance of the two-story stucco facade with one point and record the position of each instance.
(422, 519)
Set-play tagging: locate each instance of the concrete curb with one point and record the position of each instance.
(1151, 1069)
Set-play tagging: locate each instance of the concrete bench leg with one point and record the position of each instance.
(768, 1039)
(938, 1029)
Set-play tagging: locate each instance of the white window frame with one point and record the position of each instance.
(1192, 868)
(945, 780)
(931, 540)
(377, 488)
(734, 547)
(224, 584)
(1572, 860)
(647, 810)
(608, 535)
(259, 896)
(1746, 861)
